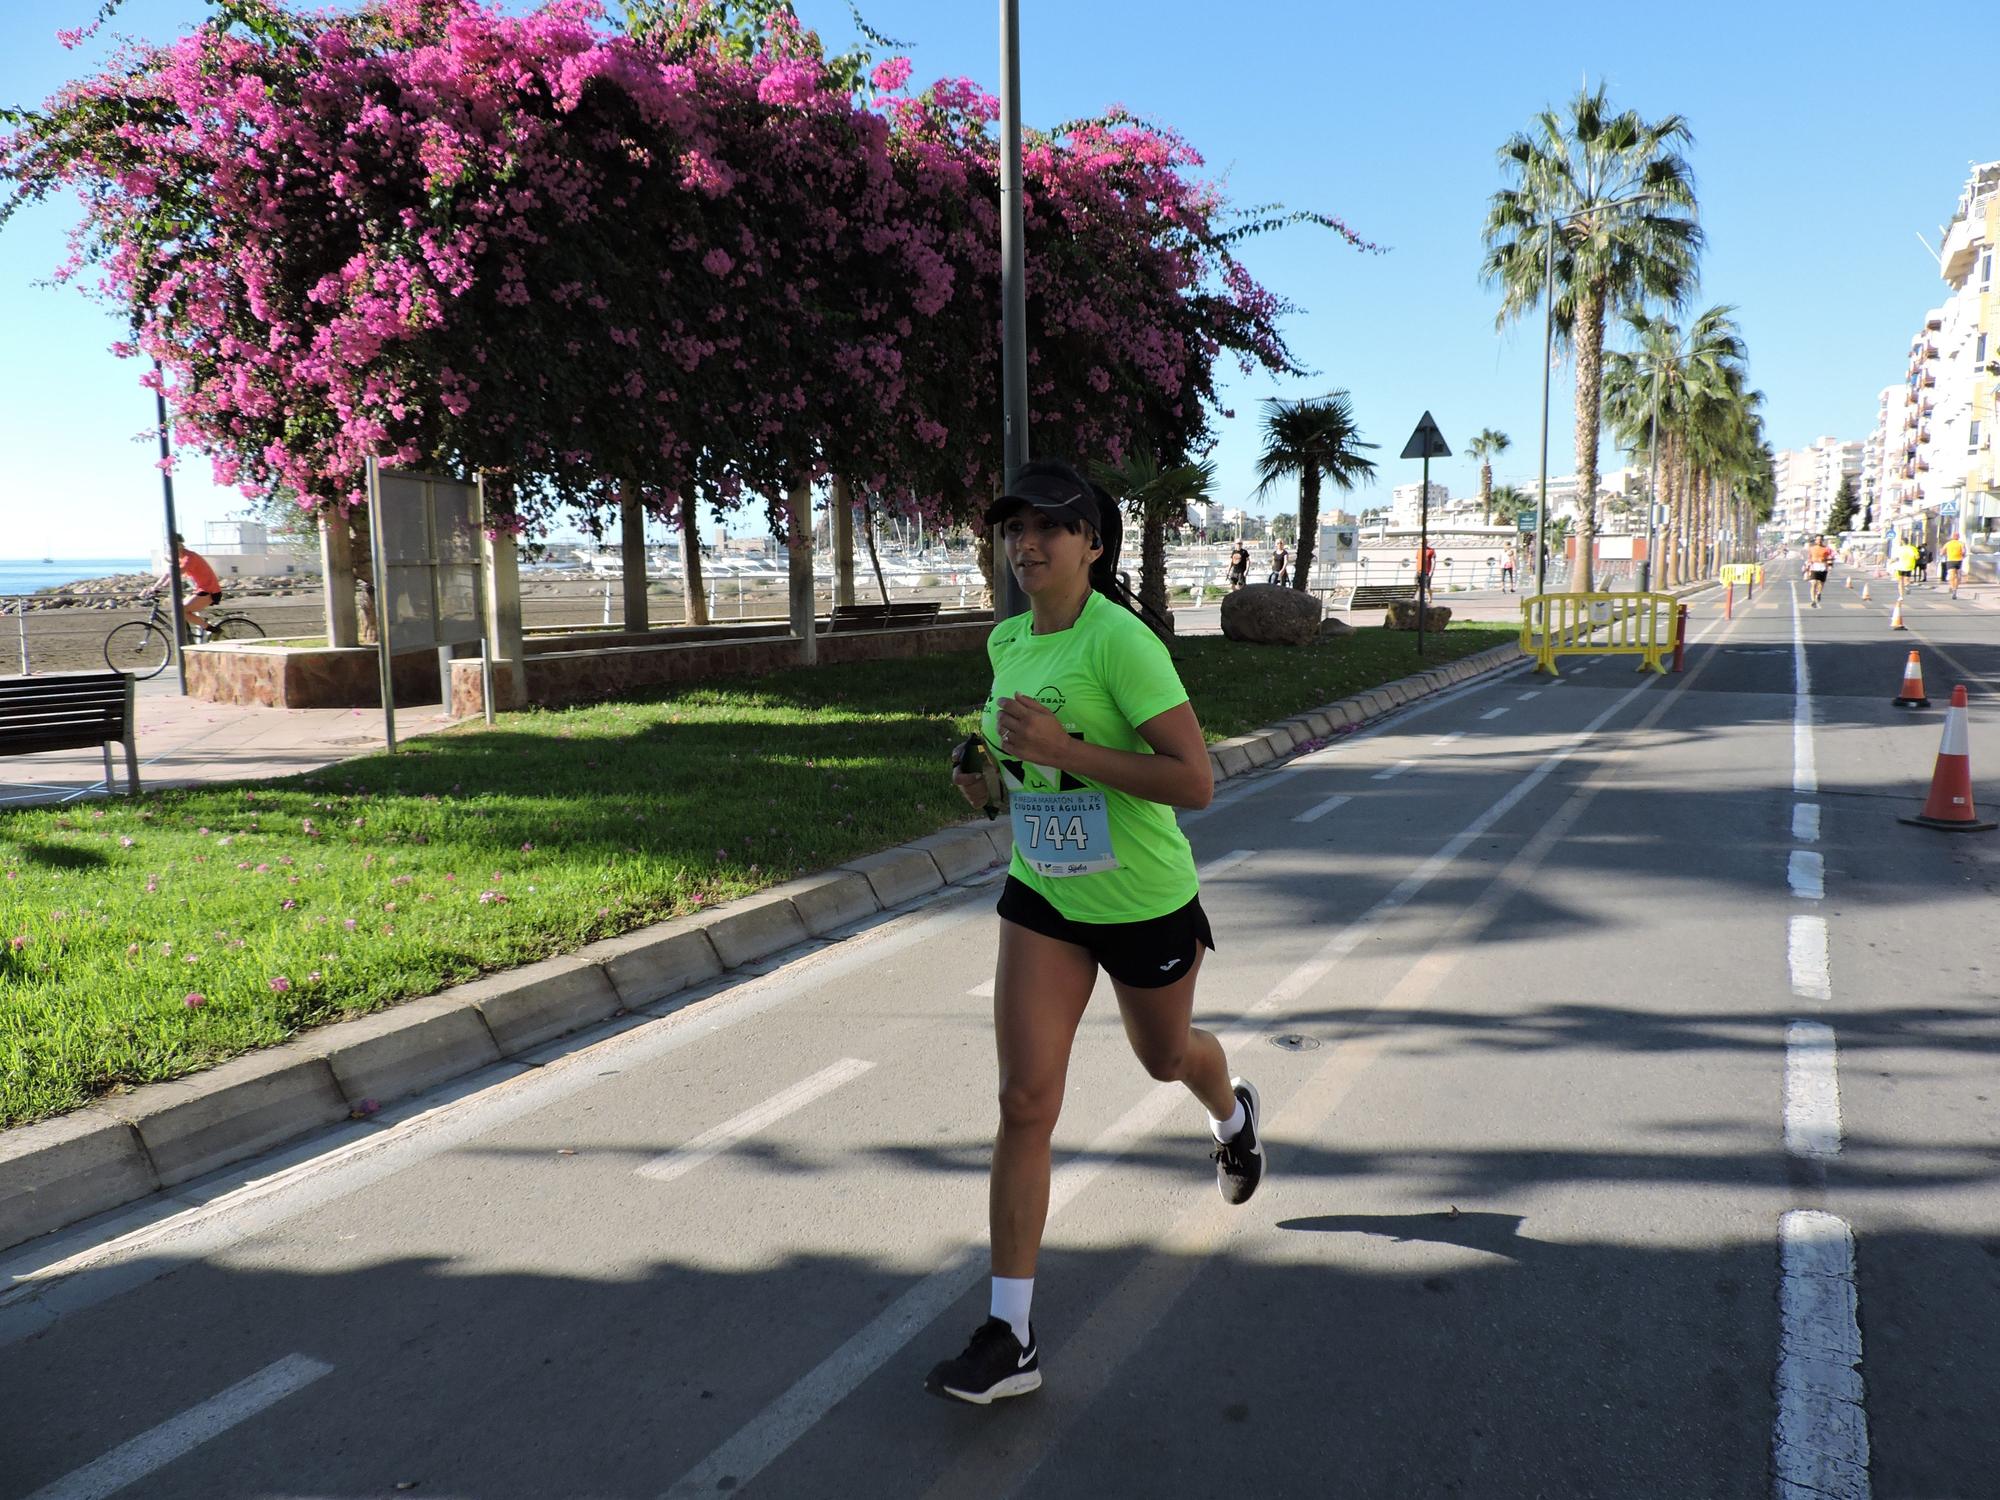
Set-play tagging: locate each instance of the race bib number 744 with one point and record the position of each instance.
(1063, 833)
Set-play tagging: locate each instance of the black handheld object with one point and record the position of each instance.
(971, 759)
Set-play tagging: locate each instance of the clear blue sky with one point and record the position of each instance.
(1827, 138)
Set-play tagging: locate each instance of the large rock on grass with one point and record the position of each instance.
(1269, 614)
(1403, 615)
(1333, 628)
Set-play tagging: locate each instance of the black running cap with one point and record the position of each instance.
(1054, 490)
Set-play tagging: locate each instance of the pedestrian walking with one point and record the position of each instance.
(1427, 561)
(1507, 571)
(1278, 574)
(1924, 559)
(1239, 566)
(1097, 745)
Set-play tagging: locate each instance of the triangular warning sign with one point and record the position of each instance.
(1426, 441)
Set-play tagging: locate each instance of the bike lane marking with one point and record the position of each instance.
(146, 1454)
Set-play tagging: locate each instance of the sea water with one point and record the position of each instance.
(24, 575)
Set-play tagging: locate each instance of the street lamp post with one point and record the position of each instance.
(1652, 488)
(1007, 596)
(1548, 358)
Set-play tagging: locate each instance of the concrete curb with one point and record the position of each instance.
(118, 1150)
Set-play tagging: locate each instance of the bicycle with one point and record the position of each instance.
(144, 647)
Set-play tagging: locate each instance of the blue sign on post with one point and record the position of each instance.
(1947, 507)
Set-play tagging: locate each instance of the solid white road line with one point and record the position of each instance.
(1812, 1090)
(759, 1442)
(149, 1452)
(1805, 822)
(1494, 713)
(1223, 862)
(1807, 953)
(1389, 773)
(713, 1142)
(1805, 873)
(1320, 809)
(1805, 776)
(1819, 1446)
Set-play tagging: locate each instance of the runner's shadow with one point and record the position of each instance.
(1496, 1234)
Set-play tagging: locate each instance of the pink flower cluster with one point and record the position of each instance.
(435, 232)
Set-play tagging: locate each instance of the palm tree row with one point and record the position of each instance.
(1679, 399)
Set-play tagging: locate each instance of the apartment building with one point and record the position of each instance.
(1808, 480)
(1942, 453)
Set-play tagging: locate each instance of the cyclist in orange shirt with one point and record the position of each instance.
(204, 588)
(1952, 555)
(1819, 561)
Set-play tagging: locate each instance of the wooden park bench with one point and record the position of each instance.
(71, 711)
(1378, 595)
(884, 616)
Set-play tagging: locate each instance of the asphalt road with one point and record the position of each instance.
(1525, 1012)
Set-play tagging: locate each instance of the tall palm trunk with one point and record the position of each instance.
(1485, 494)
(1308, 525)
(1589, 334)
(694, 607)
(799, 554)
(1153, 568)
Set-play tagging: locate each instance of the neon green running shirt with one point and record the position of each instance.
(1105, 675)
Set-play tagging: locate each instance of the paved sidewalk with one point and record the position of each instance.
(185, 742)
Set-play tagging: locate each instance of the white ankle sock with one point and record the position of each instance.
(1226, 1130)
(1011, 1297)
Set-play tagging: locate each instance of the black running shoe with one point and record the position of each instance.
(1239, 1161)
(994, 1365)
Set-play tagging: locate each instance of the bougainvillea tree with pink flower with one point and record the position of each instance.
(676, 259)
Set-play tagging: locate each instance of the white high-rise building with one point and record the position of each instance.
(1938, 457)
(1808, 482)
(1405, 499)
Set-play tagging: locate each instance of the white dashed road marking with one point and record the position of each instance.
(1807, 952)
(1812, 1090)
(1388, 773)
(984, 989)
(150, 1452)
(1531, 693)
(1224, 862)
(1819, 1447)
(1805, 872)
(1494, 713)
(1320, 809)
(1805, 822)
(712, 1143)
(1449, 739)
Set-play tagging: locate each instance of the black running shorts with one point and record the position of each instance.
(1146, 955)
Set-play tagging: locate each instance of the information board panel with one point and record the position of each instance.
(425, 532)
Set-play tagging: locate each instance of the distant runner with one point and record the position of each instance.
(1906, 567)
(1953, 558)
(1819, 561)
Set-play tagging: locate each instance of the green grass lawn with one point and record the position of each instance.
(143, 938)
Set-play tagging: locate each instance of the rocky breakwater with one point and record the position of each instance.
(119, 591)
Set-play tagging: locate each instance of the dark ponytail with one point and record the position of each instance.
(1105, 576)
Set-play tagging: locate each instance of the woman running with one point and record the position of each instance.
(1097, 744)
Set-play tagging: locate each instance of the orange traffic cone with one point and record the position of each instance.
(1949, 806)
(1864, 593)
(1896, 620)
(1848, 579)
(1912, 692)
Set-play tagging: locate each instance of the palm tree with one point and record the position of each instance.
(1617, 198)
(1161, 496)
(1313, 437)
(1696, 378)
(1484, 447)
(1508, 503)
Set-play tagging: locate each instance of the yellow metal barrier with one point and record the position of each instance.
(1640, 625)
(1743, 573)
